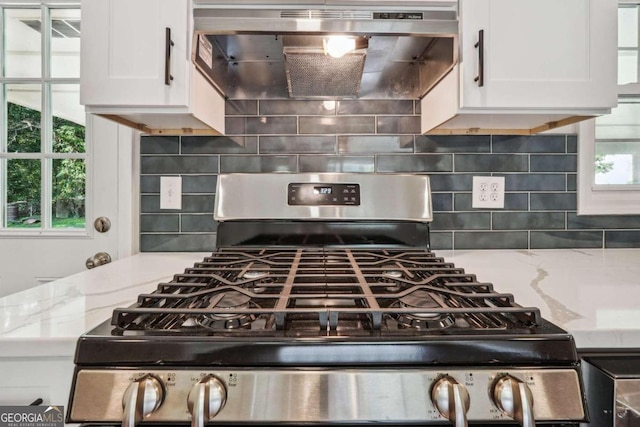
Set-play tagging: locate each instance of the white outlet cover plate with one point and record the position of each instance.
(488, 192)
(170, 192)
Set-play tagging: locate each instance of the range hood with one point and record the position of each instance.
(399, 53)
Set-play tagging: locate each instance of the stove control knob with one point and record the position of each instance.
(205, 400)
(142, 397)
(514, 398)
(451, 399)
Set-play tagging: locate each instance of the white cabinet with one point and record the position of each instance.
(29, 378)
(526, 66)
(136, 67)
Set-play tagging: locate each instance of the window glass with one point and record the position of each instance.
(68, 205)
(628, 44)
(68, 119)
(23, 118)
(627, 67)
(23, 193)
(617, 151)
(628, 26)
(22, 39)
(65, 43)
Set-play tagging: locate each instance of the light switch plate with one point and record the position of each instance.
(170, 192)
(488, 192)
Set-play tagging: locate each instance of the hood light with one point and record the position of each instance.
(338, 46)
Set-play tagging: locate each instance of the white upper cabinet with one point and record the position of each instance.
(527, 66)
(136, 67)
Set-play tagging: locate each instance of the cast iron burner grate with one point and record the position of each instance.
(316, 291)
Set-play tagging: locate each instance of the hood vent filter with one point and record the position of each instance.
(316, 75)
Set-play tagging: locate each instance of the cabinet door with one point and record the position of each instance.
(123, 52)
(539, 53)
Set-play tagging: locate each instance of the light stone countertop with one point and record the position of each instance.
(593, 294)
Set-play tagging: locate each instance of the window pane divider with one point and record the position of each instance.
(36, 156)
(46, 122)
(36, 80)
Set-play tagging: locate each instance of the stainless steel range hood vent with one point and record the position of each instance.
(259, 54)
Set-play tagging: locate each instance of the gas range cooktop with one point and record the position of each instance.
(323, 304)
(309, 292)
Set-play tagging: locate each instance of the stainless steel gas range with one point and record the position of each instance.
(324, 305)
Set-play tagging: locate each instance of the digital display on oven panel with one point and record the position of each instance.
(316, 194)
(322, 190)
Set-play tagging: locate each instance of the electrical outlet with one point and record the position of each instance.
(488, 192)
(170, 192)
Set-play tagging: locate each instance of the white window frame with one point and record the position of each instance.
(603, 199)
(46, 155)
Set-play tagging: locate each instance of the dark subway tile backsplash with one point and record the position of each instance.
(219, 145)
(622, 239)
(261, 125)
(535, 182)
(319, 125)
(241, 107)
(461, 221)
(512, 202)
(198, 223)
(372, 144)
(178, 164)
(375, 107)
(453, 144)
(160, 223)
(258, 164)
(491, 240)
(415, 163)
(199, 184)
(565, 239)
(529, 144)
(299, 144)
(615, 222)
(442, 240)
(160, 145)
(289, 107)
(190, 204)
(442, 202)
(378, 136)
(554, 163)
(150, 184)
(492, 163)
(450, 182)
(194, 242)
(528, 220)
(357, 164)
(553, 202)
(398, 125)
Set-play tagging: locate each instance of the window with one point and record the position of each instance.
(42, 145)
(609, 154)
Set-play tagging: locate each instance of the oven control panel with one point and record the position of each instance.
(323, 194)
(269, 396)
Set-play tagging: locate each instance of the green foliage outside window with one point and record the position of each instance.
(24, 176)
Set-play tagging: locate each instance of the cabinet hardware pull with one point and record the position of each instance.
(167, 57)
(480, 46)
